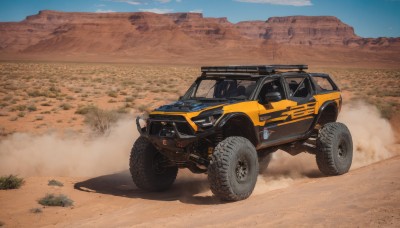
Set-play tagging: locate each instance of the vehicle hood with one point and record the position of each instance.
(190, 105)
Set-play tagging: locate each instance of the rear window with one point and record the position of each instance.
(323, 84)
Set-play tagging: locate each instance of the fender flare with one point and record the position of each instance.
(253, 129)
(322, 108)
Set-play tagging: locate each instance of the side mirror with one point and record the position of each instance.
(272, 97)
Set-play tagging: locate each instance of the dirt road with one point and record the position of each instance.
(365, 197)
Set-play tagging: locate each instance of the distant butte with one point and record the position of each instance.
(187, 37)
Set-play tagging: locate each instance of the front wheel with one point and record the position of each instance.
(335, 149)
(233, 169)
(148, 167)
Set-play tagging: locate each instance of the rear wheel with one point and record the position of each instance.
(148, 167)
(233, 170)
(335, 149)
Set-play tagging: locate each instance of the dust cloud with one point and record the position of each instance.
(52, 155)
(372, 135)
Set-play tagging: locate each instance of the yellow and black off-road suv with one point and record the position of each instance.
(231, 116)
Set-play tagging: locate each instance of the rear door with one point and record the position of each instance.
(301, 113)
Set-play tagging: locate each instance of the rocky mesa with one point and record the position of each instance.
(150, 36)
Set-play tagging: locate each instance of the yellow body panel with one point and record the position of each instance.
(250, 108)
(322, 98)
(253, 109)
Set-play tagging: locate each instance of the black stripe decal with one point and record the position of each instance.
(273, 115)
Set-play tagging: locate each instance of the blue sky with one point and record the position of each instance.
(370, 18)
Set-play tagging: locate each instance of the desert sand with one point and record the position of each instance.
(365, 197)
(289, 192)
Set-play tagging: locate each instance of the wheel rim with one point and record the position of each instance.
(342, 150)
(242, 170)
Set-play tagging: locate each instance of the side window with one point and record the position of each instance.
(271, 85)
(322, 84)
(299, 87)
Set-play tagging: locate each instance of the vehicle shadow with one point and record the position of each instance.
(185, 189)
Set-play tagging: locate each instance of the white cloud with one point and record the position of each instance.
(140, 2)
(196, 11)
(104, 11)
(280, 2)
(178, 0)
(100, 5)
(157, 10)
(128, 2)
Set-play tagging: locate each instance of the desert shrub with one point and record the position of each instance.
(10, 182)
(129, 99)
(83, 110)
(35, 93)
(21, 114)
(46, 104)
(112, 94)
(36, 210)
(39, 117)
(101, 120)
(56, 200)
(32, 108)
(54, 89)
(21, 108)
(3, 104)
(2, 223)
(55, 183)
(66, 106)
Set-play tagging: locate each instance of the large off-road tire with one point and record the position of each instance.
(335, 149)
(233, 169)
(146, 168)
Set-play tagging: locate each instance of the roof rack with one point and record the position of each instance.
(258, 69)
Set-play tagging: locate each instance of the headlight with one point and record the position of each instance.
(207, 118)
(206, 122)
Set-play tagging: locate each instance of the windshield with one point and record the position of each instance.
(223, 89)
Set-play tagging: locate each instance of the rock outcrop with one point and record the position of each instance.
(173, 34)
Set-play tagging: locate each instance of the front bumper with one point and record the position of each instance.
(169, 139)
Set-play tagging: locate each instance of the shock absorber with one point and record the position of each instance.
(219, 136)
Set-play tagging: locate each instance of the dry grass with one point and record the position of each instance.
(55, 183)
(36, 97)
(63, 91)
(10, 182)
(56, 200)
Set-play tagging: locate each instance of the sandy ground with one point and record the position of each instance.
(290, 193)
(365, 197)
